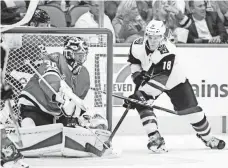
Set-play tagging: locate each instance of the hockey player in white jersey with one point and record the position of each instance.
(11, 157)
(155, 69)
(40, 106)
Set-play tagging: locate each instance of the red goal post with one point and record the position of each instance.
(24, 44)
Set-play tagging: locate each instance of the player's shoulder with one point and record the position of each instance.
(167, 47)
(55, 56)
(137, 46)
(139, 41)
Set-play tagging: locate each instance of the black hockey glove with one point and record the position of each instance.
(129, 103)
(6, 92)
(141, 78)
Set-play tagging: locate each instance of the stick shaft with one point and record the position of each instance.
(142, 103)
(41, 77)
(118, 124)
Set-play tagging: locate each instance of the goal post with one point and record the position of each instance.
(24, 42)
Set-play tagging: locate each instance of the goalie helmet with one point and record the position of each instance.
(154, 33)
(40, 17)
(75, 52)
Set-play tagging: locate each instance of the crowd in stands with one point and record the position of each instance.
(188, 21)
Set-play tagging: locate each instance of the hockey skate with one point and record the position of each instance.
(213, 143)
(157, 143)
(12, 158)
(15, 164)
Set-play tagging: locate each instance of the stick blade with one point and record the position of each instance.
(105, 153)
(92, 149)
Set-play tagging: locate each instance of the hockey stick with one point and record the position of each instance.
(92, 149)
(28, 16)
(106, 144)
(16, 125)
(145, 104)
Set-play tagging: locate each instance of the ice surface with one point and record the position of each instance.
(185, 151)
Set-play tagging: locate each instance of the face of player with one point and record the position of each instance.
(79, 57)
(154, 41)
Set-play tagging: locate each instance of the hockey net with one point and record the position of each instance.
(24, 44)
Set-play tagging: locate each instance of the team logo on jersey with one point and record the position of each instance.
(139, 41)
(163, 49)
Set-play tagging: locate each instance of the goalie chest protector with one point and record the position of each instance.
(80, 84)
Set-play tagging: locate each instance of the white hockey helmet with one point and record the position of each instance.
(75, 52)
(154, 33)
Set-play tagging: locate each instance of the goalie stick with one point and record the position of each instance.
(16, 125)
(106, 145)
(145, 104)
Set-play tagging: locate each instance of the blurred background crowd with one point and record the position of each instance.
(188, 21)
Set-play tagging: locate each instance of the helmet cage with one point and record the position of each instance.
(75, 52)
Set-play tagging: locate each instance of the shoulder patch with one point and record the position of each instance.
(138, 41)
(163, 49)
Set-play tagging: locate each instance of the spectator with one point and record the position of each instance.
(110, 9)
(40, 19)
(128, 23)
(91, 18)
(204, 26)
(223, 5)
(166, 11)
(10, 13)
(145, 11)
(72, 3)
(58, 3)
(212, 6)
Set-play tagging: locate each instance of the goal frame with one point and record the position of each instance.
(87, 31)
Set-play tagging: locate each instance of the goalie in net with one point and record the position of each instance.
(48, 100)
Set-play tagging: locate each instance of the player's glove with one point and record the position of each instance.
(140, 78)
(128, 103)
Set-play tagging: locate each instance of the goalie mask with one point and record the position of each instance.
(154, 34)
(75, 52)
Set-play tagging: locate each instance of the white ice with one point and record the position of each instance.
(185, 151)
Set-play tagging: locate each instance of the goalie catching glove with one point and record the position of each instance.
(70, 104)
(76, 109)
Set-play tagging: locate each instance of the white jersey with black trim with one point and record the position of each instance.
(164, 60)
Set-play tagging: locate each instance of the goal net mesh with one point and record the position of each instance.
(26, 46)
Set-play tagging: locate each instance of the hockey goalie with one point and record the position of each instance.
(55, 121)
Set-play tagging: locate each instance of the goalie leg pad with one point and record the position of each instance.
(40, 140)
(76, 139)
